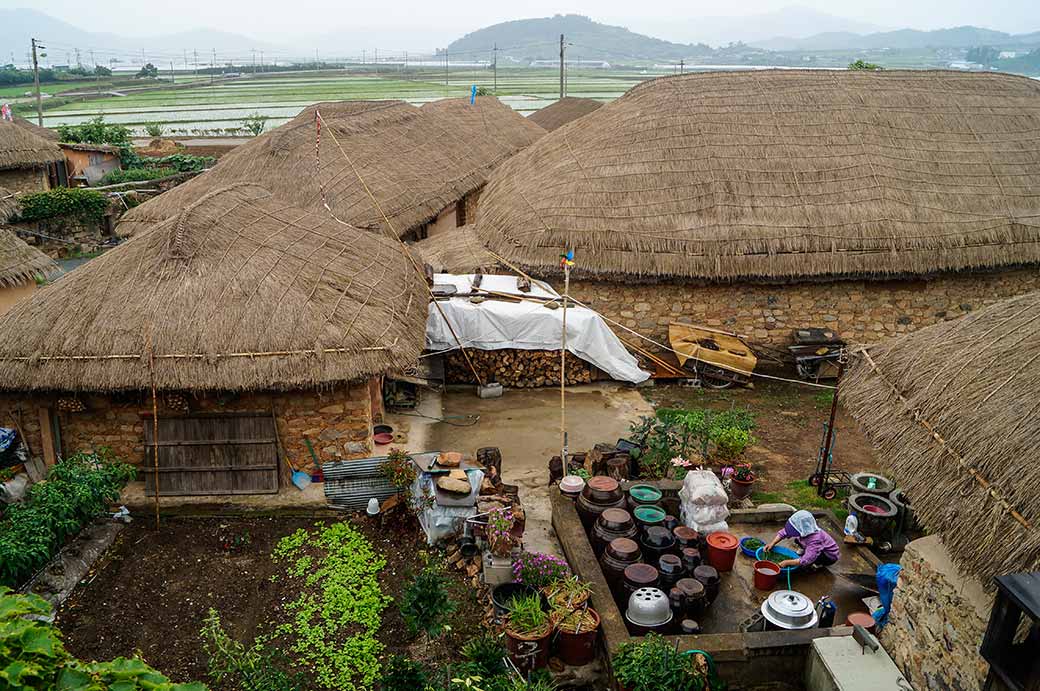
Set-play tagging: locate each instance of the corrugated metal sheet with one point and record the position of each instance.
(350, 484)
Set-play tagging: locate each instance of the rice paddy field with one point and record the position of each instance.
(219, 108)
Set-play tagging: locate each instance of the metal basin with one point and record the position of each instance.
(790, 610)
(649, 607)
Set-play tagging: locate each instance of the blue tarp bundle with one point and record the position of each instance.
(887, 575)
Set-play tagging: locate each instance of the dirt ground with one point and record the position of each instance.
(151, 592)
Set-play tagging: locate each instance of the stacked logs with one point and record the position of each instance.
(518, 369)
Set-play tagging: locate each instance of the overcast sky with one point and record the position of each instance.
(265, 19)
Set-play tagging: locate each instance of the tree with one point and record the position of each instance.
(102, 71)
(866, 66)
(983, 55)
(149, 70)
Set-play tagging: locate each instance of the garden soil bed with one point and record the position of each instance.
(150, 592)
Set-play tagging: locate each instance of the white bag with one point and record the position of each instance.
(708, 529)
(704, 515)
(703, 488)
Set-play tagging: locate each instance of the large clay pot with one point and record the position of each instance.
(655, 542)
(612, 524)
(529, 652)
(619, 555)
(709, 578)
(600, 493)
(577, 647)
(640, 576)
(671, 570)
(740, 489)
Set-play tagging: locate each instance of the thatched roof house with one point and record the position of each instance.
(44, 132)
(952, 412)
(27, 160)
(20, 263)
(562, 111)
(459, 252)
(238, 291)
(415, 161)
(780, 177)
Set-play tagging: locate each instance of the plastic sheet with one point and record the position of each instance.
(441, 522)
(703, 502)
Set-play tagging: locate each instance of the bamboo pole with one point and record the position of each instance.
(155, 430)
(563, 364)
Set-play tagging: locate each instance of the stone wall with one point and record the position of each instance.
(24, 180)
(938, 619)
(63, 236)
(338, 420)
(861, 311)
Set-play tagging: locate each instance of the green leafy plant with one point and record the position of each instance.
(402, 674)
(400, 471)
(526, 616)
(568, 593)
(116, 177)
(334, 620)
(254, 124)
(249, 669)
(731, 443)
(863, 65)
(97, 131)
(654, 664)
(155, 129)
(425, 603)
(485, 652)
(181, 163)
(34, 658)
(76, 490)
(89, 205)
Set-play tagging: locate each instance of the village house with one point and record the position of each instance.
(28, 161)
(250, 326)
(870, 203)
(565, 110)
(952, 413)
(423, 167)
(88, 163)
(20, 264)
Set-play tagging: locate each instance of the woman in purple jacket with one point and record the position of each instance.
(818, 548)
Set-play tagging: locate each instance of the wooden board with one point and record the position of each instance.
(719, 348)
(213, 454)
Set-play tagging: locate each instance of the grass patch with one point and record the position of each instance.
(801, 495)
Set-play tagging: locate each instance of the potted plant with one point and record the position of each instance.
(654, 664)
(576, 632)
(500, 539)
(742, 481)
(527, 634)
(538, 570)
(567, 594)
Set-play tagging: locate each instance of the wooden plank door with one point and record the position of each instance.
(226, 453)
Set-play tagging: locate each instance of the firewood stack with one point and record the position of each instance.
(518, 369)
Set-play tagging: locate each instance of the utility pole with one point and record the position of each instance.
(561, 67)
(494, 66)
(173, 75)
(682, 66)
(261, 61)
(213, 65)
(364, 58)
(376, 59)
(79, 63)
(195, 52)
(445, 67)
(36, 81)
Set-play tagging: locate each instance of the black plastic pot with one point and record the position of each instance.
(503, 594)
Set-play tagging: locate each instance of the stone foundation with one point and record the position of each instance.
(861, 311)
(22, 180)
(338, 420)
(938, 619)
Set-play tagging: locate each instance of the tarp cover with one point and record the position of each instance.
(527, 325)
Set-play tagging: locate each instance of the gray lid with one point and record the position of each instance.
(789, 609)
(648, 607)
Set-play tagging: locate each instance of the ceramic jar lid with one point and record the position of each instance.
(602, 489)
(687, 537)
(690, 587)
(789, 609)
(670, 564)
(572, 484)
(644, 494)
(615, 519)
(649, 515)
(641, 574)
(623, 549)
(706, 574)
(658, 538)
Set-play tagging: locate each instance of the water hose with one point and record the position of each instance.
(707, 656)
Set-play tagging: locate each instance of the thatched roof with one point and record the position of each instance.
(84, 146)
(9, 206)
(562, 111)
(416, 161)
(782, 175)
(22, 148)
(19, 262)
(457, 251)
(239, 291)
(954, 413)
(44, 132)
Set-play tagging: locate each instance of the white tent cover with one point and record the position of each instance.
(527, 325)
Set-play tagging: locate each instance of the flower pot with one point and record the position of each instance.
(578, 647)
(740, 489)
(502, 596)
(529, 652)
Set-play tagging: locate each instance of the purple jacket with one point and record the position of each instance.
(815, 544)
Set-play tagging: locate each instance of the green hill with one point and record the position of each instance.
(525, 40)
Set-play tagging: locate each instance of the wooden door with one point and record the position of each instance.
(213, 454)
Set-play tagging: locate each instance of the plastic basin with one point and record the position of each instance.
(786, 553)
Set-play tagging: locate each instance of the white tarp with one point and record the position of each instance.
(527, 325)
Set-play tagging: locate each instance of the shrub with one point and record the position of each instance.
(538, 570)
(35, 659)
(95, 131)
(250, 669)
(402, 674)
(425, 603)
(654, 664)
(181, 163)
(485, 652)
(89, 205)
(136, 175)
(254, 124)
(77, 489)
(155, 129)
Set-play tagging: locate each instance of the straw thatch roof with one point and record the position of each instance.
(19, 262)
(9, 206)
(415, 161)
(781, 175)
(954, 413)
(44, 132)
(457, 251)
(561, 112)
(238, 291)
(22, 148)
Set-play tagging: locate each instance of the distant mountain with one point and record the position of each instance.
(18, 26)
(904, 39)
(794, 21)
(539, 39)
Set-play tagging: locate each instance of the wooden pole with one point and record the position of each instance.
(829, 439)
(563, 364)
(155, 431)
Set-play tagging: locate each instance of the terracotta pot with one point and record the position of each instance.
(578, 648)
(600, 493)
(529, 652)
(740, 489)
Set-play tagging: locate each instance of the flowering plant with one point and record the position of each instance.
(743, 473)
(538, 570)
(500, 522)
